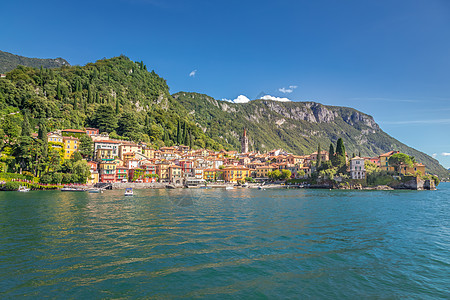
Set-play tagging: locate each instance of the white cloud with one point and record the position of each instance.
(192, 74)
(269, 97)
(287, 90)
(445, 154)
(239, 99)
(434, 155)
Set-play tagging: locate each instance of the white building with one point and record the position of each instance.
(357, 170)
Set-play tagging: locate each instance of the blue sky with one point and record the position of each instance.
(389, 59)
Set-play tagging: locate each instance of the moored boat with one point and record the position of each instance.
(23, 188)
(129, 192)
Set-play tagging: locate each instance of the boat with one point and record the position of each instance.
(205, 187)
(71, 189)
(129, 192)
(95, 190)
(229, 188)
(23, 188)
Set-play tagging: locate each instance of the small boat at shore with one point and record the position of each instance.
(229, 188)
(129, 192)
(23, 189)
(95, 191)
(72, 189)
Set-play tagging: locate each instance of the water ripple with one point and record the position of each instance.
(226, 244)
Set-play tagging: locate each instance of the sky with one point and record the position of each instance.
(387, 58)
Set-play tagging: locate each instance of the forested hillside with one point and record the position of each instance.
(116, 95)
(295, 126)
(9, 61)
(121, 97)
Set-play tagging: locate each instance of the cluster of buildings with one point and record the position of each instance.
(124, 161)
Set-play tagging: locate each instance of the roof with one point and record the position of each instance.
(70, 138)
(74, 130)
(390, 153)
(107, 142)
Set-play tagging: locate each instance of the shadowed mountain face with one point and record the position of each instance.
(298, 127)
(10, 61)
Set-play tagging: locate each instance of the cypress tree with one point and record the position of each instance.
(26, 129)
(89, 96)
(179, 133)
(42, 135)
(58, 91)
(117, 106)
(185, 137)
(359, 154)
(190, 140)
(331, 150)
(340, 149)
(319, 157)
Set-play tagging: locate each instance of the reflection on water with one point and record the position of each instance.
(220, 243)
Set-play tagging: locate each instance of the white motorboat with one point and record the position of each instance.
(95, 191)
(129, 192)
(229, 188)
(23, 188)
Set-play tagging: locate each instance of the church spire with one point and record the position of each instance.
(244, 142)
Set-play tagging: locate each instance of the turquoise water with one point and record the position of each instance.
(226, 244)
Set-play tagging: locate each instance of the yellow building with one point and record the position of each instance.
(70, 146)
(384, 161)
(406, 170)
(129, 148)
(263, 172)
(149, 153)
(212, 174)
(235, 173)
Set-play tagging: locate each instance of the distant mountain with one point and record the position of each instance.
(297, 127)
(9, 61)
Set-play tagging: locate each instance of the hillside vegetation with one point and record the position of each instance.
(295, 126)
(9, 61)
(121, 97)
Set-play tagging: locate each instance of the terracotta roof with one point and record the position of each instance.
(74, 130)
(107, 142)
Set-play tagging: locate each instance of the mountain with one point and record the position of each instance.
(121, 97)
(9, 61)
(298, 127)
(116, 95)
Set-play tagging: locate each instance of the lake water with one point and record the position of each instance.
(232, 244)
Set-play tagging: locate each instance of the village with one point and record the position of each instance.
(118, 161)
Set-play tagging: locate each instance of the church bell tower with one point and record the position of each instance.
(244, 142)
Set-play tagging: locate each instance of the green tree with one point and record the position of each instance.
(319, 157)
(76, 157)
(26, 129)
(285, 174)
(42, 135)
(339, 159)
(274, 175)
(128, 125)
(397, 160)
(105, 118)
(340, 148)
(86, 146)
(81, 171)
(331, 151)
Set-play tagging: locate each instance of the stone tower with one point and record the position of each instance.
(244, 142)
